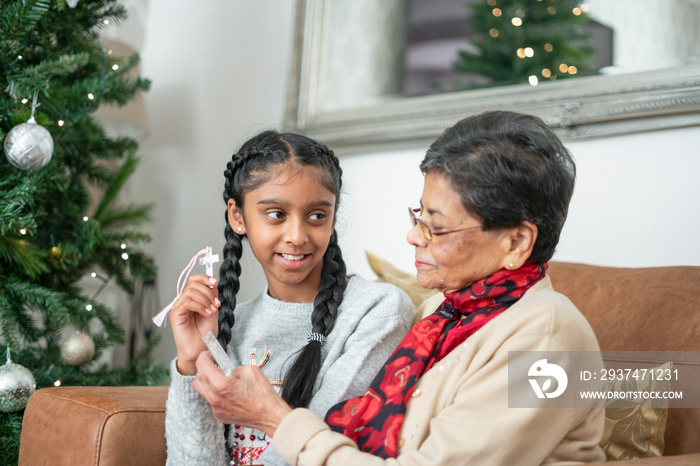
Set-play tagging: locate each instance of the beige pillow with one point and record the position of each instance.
(636, 431)
(387, 273)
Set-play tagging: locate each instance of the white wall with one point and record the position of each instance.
(219, 71)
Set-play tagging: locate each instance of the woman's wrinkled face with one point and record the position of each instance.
(453, 261)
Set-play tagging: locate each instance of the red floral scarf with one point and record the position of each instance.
(374, 419)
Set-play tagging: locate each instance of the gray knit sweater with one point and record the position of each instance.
(372, 320)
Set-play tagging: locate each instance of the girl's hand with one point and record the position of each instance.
(193, 315)
(246, 397)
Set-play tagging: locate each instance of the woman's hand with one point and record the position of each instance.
(193, 315)
(246, 397)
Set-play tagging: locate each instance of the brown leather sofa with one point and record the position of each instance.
(105, 426)
(644, 309)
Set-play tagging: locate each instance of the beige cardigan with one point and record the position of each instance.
(459, 411)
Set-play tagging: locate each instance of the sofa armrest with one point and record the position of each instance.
(94, 426)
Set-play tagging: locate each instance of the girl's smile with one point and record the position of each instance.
(294, 261)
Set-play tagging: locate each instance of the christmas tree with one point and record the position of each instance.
(526, 41)
(60, 174)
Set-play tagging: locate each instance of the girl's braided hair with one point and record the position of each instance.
(248, 169)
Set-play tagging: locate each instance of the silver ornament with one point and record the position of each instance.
(77, 349)
(16, 386)
(28, 146)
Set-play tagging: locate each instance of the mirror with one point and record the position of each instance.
(348, 81)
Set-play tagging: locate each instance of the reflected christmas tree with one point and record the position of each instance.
(527, 41)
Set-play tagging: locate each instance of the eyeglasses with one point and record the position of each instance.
(425, 229)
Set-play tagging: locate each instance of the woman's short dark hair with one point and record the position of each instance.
(508, 167)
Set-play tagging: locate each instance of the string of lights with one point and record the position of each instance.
(93, 97)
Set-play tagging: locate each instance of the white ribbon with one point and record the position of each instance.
(181, 282)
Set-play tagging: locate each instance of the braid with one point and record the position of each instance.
(327, 153)
(330, 290)
(228, 286)
(230, 270)
(301, 377)
(229, 283)
(336, 163)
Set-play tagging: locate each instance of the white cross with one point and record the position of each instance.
(209, 260)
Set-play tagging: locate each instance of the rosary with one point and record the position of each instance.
(208, 261)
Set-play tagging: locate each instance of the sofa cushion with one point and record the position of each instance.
(107, 426)
(635, 428)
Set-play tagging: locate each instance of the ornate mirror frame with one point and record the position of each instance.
(580, 108)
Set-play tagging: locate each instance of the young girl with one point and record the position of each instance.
(318, 335)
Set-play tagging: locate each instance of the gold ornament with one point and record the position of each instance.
(77, 349)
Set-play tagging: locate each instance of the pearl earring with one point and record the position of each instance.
(510, 266)
(240, 230)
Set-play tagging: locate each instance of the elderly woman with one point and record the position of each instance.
(496, 194)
